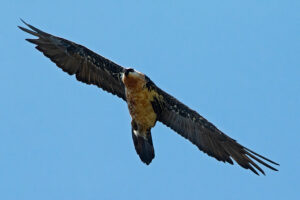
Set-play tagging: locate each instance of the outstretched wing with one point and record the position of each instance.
(73, 58)
(203, 134)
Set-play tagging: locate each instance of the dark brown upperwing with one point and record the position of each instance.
(73, 58)
(189, 124)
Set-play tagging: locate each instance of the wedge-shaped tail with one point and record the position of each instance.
(143, 146)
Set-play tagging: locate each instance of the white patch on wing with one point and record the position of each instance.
(135, 132)
(122, 77)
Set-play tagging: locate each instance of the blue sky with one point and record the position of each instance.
(236, 63)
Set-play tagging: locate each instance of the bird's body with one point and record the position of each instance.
(146, 102)
(139, 100)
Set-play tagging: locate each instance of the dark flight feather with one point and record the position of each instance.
(73, 58)
(192, 126)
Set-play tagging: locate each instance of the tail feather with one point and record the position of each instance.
(144, 147)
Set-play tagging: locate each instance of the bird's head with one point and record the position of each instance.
(131, 77)
(132, 73)
(128, 71)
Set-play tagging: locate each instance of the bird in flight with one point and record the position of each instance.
(147, 103)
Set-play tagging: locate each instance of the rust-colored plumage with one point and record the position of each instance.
(147, 103)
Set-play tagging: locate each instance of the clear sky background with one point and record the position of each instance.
(236, 63)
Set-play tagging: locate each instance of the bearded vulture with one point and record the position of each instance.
(147, 103)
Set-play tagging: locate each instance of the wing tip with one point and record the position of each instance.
(251, 162)
(271, 161)
(23, 21)
(34, 31)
